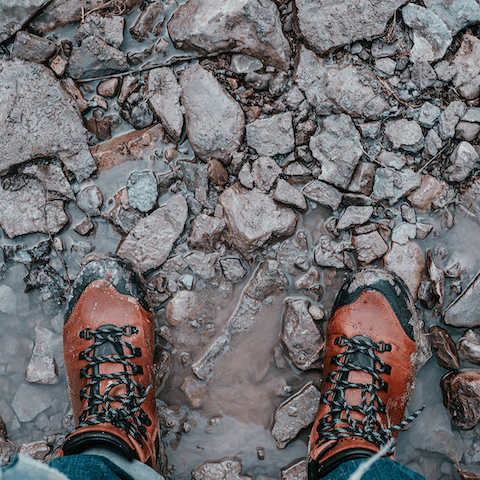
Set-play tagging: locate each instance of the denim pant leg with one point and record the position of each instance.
(382, 469)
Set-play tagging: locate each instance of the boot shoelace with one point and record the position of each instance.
(129, 416)
(369, 428)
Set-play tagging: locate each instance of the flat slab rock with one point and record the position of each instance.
(253, 26)
(461, 396)
(36, 113)
(326, 25)
(298, 471)
(14, 15)
(254, 219)
(225, 469)
(149, 244)
(463, 311)
(338, 88)
(296, 413)
(28, 210)
(215, 122)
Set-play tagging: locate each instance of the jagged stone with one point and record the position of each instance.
(142, 190)
(450, 118)
(108, 28)
(253, 26)
(31, 48)
(354, 216)
(254, 219)
(340, 88)
(90, 200)
(39, 115)
(456, 14)
(369, 247)
(444, 348)
(272, 135)
(321, 192)
(464, 159)
(462, 312)
(149, 243)
(228, 469)
(289, 195)
(151, 16)
(392, 185)
(405, 134)
(215, 121)
(265, 172)
(205, 231)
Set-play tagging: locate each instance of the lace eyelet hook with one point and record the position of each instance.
(341, 341)
(85, 334)
(384, 347)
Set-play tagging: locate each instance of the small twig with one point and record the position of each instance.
(371, 158)
(171, 62)
(387, 86)
(435, 157)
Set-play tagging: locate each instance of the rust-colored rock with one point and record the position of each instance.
(444, 348)
(461, 396)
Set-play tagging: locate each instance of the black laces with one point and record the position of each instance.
(338, 422)
(129, 416)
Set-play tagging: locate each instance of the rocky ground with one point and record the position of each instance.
(245, 155)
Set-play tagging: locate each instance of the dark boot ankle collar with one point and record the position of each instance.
(77, 443)
(318, 469)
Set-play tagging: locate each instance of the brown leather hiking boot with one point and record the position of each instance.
(109, 342)
(369, 371)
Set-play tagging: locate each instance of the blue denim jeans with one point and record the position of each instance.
(99, 467)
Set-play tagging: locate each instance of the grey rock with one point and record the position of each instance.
(472, 115)
(456, 14)
(95, 58)
(52, 177)
(296, 413)
(385, 66)
(383, 47)
(42, 367)
(467, 131)
(405, 134)
(14, 16)
(467, 67)
(324, 26)
(423, 229)
(328, 253)
(122, 215)
(245, 64)
(408, 213)
(354, 216)
(8, 300)
(363, 178)
(245, 175)
(250, 25)
(396, 160)
(90, 200)
(184, 306)
(272, 135)
(450, 118)
(267, 281)
(31, 48)
(278, 84)
(29, 401)
(297, 170)
(28, 209)
(108, 88)
(232, 269)
(445, 71)
(254, 219)
(294, 98)
(337, 147)
(392, 185)
(462, 311)
(289, 195)
(463, 160)
(431, 37)
(137, 112)
(298, 471)
(461, 396)
(205, 232)
(108, 28)
(61, 13)
(215, 122)
(340, 88)
(433, 143)
(149, 243)
(402, 233)
(444, 348)
(408, 263)
(321, 192)
(469, 347)
(228, 469)
(369, 247)
(142, 190)
(202, 264)
(195, 391)
(39, 115)
(369, 129)
(428, 114)
(301, 337)
(163, 95)
(423, 75)
(152, 16)
(265, 172)
(258, 81)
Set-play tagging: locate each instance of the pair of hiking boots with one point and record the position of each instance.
(368, 376)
